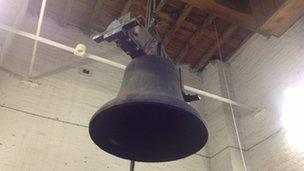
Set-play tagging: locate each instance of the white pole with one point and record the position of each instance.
(38, 31)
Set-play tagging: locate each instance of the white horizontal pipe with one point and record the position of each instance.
(106, 61)
(213, 96)
(109, 62)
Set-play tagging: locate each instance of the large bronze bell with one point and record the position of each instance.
(149, 120)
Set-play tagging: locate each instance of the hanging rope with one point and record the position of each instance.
(228, 93)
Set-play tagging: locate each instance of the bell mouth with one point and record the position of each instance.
(148, 131)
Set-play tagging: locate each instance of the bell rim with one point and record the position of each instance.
(186, 108)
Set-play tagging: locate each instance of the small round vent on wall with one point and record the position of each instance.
(86, 72)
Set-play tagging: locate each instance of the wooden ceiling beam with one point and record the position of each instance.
(214, 48)
(236, 17)
(244, 20)
(127, 7)
(165, 17)
(170, 33)
(195, 38)
(289, 12)
(66, 13)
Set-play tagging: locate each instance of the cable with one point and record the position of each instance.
(228, 95)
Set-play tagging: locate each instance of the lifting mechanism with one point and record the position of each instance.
(149, 120)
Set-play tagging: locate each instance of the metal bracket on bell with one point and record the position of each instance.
(187, 97)
(191, 98)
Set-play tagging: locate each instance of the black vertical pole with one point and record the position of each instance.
(132, 166)
(159, 49)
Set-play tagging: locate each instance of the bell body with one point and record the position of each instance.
(149, 120)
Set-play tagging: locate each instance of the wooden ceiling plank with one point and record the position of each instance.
(247, 21)
(170, 33)
(263, 9)
(231, 15)
(257, 11)
(127, 7)
(164, 16)
(195, 38)
(214, 48)
(284, 17)
(67, 11)
(167, 18)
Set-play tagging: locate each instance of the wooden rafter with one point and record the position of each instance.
(164, 16)
(257, 11)
(263, 14)
(195, 38)
(284, 17)
(160, 5)
(67, 11)
(127, 7)
(244, 20)
(219, 10)
(186, 11)
(214, 48)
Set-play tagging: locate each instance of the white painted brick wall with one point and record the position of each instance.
(276, 153)
(9, 10)
(221, 161)
(261, 70)
(259, 73)
(222, 143)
